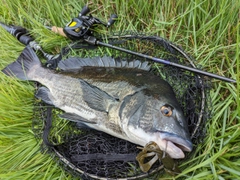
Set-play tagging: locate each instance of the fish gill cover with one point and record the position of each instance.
(94, 154)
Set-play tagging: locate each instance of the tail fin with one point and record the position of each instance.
(23, 65)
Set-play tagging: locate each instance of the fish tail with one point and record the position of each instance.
(23, 65)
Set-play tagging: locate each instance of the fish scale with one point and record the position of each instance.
(145, 121)
(69, 91)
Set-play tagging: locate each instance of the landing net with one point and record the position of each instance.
(91, 154)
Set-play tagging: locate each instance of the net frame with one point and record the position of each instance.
(200, 90)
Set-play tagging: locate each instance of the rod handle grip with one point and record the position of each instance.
(58, 30)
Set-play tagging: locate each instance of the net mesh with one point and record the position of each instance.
(93, 154)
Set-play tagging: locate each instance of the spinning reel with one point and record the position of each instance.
(83, 25)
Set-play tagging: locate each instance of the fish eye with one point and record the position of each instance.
(166, 110)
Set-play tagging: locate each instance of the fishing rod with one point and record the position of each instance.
(82, 27)
(94, 41)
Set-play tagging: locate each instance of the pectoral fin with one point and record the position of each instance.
(96, 98)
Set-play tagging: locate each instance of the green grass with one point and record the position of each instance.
(209, 30)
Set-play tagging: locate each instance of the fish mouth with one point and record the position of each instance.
(175, 145)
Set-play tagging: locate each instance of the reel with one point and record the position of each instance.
(83, 25)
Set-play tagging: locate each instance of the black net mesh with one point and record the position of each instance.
(93, 154)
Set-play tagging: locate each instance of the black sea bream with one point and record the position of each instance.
(119, 97)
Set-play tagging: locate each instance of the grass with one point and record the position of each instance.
(208, 30)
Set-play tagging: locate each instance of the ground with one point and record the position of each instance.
(209, 30)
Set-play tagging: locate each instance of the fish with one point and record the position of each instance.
(118, 96)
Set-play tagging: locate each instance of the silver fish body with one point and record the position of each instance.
(118, 97)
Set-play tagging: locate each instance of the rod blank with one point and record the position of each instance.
(162, 61)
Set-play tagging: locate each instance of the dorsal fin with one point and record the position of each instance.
(75, 63)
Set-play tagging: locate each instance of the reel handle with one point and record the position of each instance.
(112, 20)
(85, 10)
